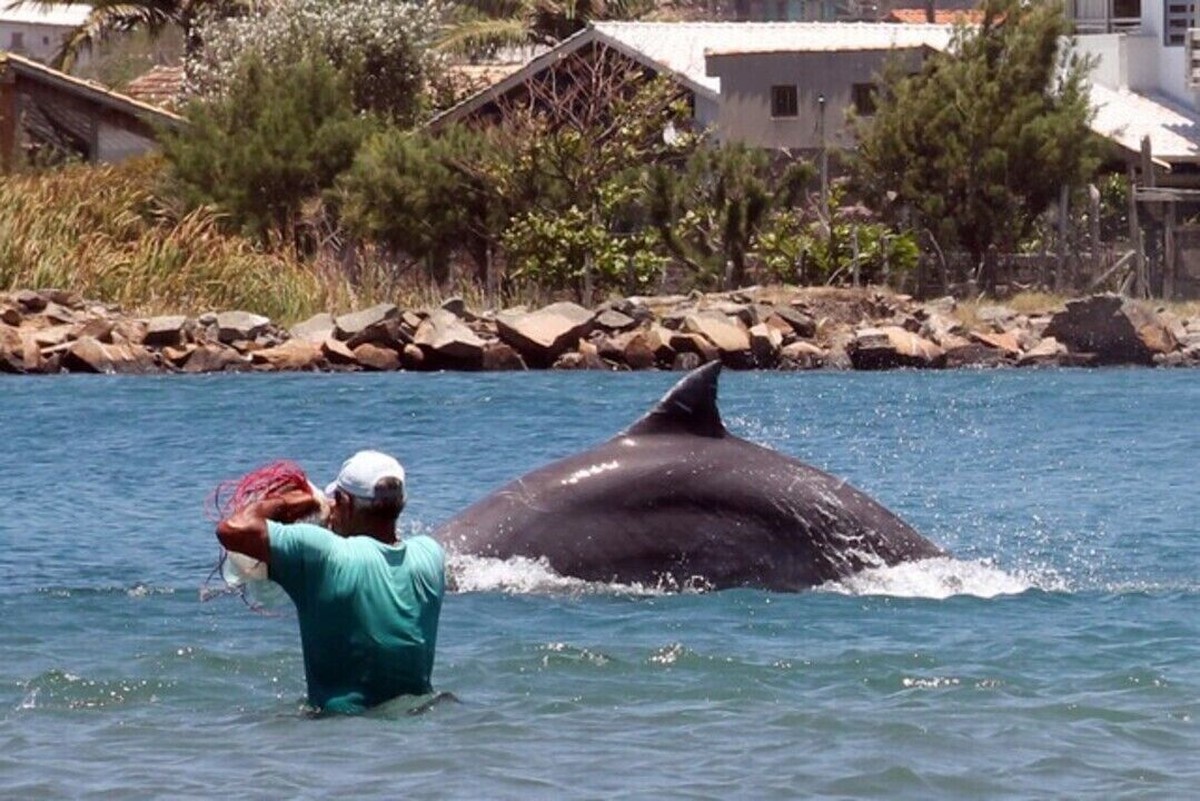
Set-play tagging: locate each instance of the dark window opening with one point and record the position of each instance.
(863, 96)
(1177, 19)
(784, 102)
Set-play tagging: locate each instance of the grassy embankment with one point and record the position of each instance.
(106, 234)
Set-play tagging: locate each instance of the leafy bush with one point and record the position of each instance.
(380, 48)
(711, 212)
(574, 249)
(277, 137)
(795, 250)
(419, 194)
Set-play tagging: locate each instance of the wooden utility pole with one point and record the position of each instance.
(8, 118)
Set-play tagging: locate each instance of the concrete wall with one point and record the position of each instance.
(39, 42)
(747, 78)
(116, 142)
(706, 111)
(1112, 68)
(1142, 61)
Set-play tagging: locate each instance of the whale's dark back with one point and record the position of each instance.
(677, 500)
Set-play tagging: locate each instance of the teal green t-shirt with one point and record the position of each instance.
(368, 612)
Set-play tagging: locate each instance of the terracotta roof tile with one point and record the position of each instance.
(161, 86)
(941, 16)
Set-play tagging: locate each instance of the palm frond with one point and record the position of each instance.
(472, 36)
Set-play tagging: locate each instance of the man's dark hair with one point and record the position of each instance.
(388, 502)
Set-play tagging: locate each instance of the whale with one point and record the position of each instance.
(676, 501)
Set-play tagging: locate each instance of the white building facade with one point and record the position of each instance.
(38, 33)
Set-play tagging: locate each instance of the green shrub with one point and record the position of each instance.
(279, 136)
(572, 249)
(410, 193)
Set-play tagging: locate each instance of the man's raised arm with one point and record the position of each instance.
(245, 531)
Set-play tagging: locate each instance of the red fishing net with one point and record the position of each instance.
(231, 497)
(267, 481)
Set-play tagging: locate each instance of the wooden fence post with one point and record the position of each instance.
(8, 119)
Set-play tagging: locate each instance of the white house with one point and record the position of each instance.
(788, 85)
(38, 32)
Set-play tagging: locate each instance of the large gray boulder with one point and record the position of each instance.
(1112, 329)
(446, 340)
(209, 358)
(12, 350)
(293, 355)
(765, 344)
(240, 326)
(890, 347)
(726, 333)
(544, 335)
(165, 331)
(90, 355)
(378, 325)
(315, 329)
(801, 323)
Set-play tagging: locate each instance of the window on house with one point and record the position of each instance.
(862, 95)
(784, 102)
(17, 43)
(1177, 18)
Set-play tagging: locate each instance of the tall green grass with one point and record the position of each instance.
(102, 232)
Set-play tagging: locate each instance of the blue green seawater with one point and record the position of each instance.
(1054, 656)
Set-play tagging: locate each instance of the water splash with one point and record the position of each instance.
(935, 579)
(945, 577)
(517, 576)
(60, 689)
(520, 575)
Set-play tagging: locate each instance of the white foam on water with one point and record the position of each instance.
(935, 579)
(519, 575)
(944, 577)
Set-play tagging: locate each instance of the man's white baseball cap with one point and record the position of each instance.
(361, 474)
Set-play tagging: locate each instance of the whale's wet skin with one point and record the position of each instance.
(1053, 653)
(677, 500)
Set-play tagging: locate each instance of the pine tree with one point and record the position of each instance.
(979, 142)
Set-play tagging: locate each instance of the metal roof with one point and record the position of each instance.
(682, 46)
(1125, 117)
(32, 13)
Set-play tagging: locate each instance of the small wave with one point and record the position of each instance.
(943, 578)
(138, 590)
(60, 689)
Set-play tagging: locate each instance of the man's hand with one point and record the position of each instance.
(290, 507)
(246, 530)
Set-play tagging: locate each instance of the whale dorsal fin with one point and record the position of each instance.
(690, 406)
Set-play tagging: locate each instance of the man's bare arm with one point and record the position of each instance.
(246, 530)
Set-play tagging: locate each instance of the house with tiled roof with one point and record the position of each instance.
(161, 85)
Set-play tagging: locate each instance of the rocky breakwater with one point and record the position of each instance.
(52, 331)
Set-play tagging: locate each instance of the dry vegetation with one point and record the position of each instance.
(104, 233)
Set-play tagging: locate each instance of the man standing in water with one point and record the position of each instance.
(368, 603)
